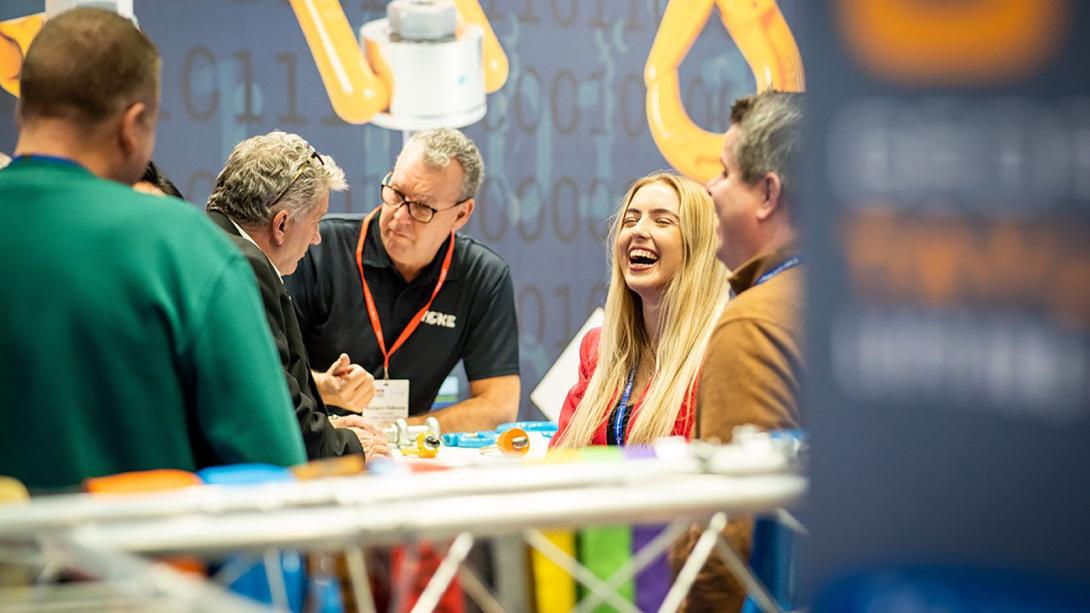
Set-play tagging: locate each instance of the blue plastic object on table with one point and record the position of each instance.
(470, 439)
(245, 474)
(544, 427)
(488, 437)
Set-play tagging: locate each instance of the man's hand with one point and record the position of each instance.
(356, 422)
(346, 385)
(371, 438)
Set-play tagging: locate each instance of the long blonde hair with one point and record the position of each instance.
(690, 305)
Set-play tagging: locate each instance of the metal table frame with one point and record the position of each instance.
(344, 515)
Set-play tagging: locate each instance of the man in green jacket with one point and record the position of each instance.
(124, 342)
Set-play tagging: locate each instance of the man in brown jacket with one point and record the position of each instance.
(753, 365)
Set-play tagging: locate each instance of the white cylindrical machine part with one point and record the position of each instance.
(123, 7)
(434, 84)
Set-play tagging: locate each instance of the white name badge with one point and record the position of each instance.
(391, 401)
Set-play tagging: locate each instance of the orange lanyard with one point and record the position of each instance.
(372, 312)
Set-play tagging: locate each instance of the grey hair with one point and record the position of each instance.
(260, 167)
(770, 136)
(441, 145)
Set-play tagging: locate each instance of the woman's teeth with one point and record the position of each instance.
(642, 257)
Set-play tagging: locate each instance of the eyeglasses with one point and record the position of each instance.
(393, 198)
(295, 177)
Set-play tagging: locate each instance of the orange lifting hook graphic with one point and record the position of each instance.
(357, 90)
(766, 43)
(15, 37)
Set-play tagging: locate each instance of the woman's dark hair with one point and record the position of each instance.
(153, 175)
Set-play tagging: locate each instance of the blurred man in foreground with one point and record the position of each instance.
(133, 334)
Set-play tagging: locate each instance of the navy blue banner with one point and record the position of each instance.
(561, 141)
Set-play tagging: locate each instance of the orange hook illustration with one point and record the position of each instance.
(357, 90)
(762, 35)
(495, 60)
(15, 37)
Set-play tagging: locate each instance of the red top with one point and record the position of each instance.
(588, 361)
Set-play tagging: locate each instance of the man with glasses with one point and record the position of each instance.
(269, 198)
(408, 296)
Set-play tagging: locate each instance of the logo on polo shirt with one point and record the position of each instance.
(435, 318)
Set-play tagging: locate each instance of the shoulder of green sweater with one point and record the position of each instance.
(185, 225)
(172, 221)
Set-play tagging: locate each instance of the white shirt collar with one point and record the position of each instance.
(246, 236)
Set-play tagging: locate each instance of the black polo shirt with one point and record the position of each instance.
(472, 318)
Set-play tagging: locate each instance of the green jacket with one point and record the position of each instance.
(132, 336)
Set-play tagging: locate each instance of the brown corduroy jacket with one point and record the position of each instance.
(752, 375)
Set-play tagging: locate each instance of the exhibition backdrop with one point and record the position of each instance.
(561, 141)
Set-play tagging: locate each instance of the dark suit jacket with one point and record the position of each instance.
(321, 439)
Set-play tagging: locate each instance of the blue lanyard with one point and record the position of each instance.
(622, 408)
(787, 264)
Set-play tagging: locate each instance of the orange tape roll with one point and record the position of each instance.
(145, 481)
(329, 467)
(514, 442)
(141, 482)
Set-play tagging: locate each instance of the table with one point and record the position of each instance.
(486, 498)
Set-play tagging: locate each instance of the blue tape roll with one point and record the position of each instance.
(529, 426)
(469, 439)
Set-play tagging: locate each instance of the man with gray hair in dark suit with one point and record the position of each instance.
(269, 198)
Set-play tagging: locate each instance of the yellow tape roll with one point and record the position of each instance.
(766, 43)
(427, 444)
